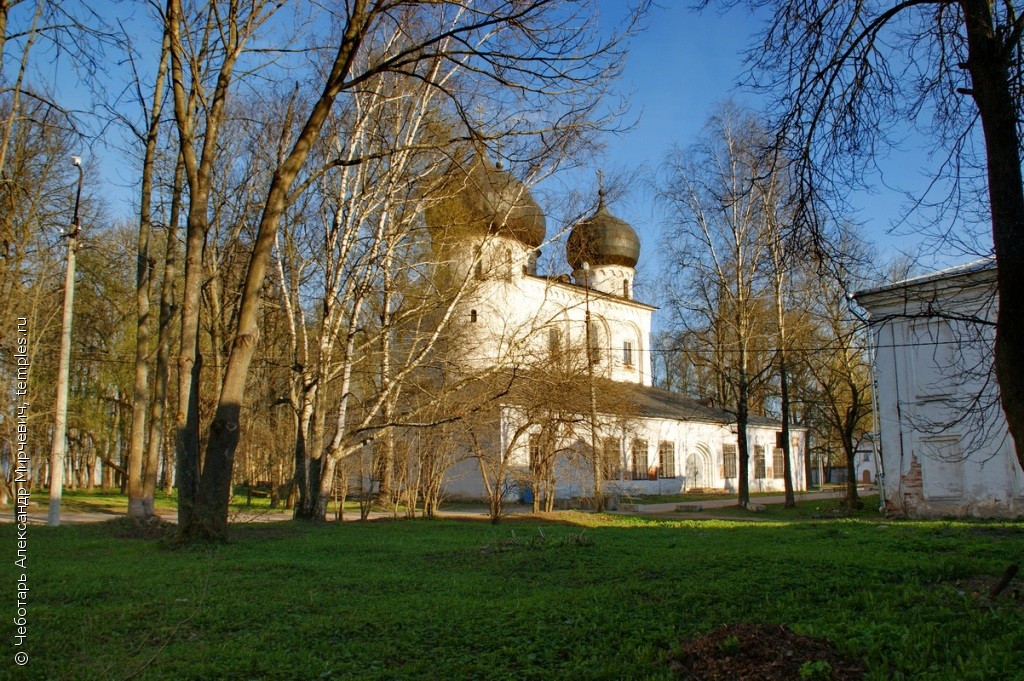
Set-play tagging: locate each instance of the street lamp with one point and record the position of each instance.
(597, 457)
(60, 419)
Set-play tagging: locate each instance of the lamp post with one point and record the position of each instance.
(60, 419)
(598, 457)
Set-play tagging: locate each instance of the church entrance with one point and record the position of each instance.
(698, 470)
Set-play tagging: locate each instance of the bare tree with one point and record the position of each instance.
(717, 197)
(526, 57)
(842, 389)
(37, 138)
(141, 462)
(846, 74)
(781, 259)
(538, 407)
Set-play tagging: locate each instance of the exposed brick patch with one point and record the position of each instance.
(913, 486)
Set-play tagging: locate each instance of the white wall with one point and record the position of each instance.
(704, 441)
(508, 319)
(945, 448)
(515, 315)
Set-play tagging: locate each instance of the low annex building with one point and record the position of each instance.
(944, 445)
(580, 345)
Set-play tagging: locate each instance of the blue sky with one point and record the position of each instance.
(678, 68)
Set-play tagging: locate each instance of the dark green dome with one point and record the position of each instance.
(483, 199)
(602, 239)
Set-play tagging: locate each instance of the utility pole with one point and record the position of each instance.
(60, 419)
(597, 456)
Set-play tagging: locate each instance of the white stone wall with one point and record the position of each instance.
(696, 443)
(510, 317)
(616, 280)
(515, 318)
(945, 448)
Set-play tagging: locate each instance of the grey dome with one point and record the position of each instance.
(483, 199)
(602, 239)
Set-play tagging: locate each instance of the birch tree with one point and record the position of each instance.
(844, 76)
(719, 246)
(526, 56)
(141, 461)
(842, 378)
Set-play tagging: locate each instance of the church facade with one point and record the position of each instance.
(582, 341)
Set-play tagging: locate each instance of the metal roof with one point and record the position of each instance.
(972, 267)
(650, 402)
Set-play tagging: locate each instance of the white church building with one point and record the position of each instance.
(489, 230)
(944, 445)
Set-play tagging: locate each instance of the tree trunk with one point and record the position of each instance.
(741, 434)
(989, 64)
(189, 367)
(138, 503)
(215, 482)
(198, 170)
(849, 428)
(387, 450)
(323, 497)
(787, 464)
(779, 260)
(852, 497)
(307, 468)
(158, 409)
(808, 466)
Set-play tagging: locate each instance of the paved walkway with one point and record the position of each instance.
(38, 516)
(725, 503)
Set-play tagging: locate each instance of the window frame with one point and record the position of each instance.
(778, 463)
(667, 447)
(640, 446)
(760, 471)
(730, 455)
(611, 458)
(554, 344)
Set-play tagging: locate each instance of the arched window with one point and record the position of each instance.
(625, 288)
(472, 316)
(478, 268)
(554, 344)
(594, 349)
(506, 265)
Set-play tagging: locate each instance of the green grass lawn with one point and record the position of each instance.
(589, 597)
(99, 501)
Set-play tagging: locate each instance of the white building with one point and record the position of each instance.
(944, 446)
(866, 455)
(489, 229)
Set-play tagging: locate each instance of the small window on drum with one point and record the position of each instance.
(472, 316)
